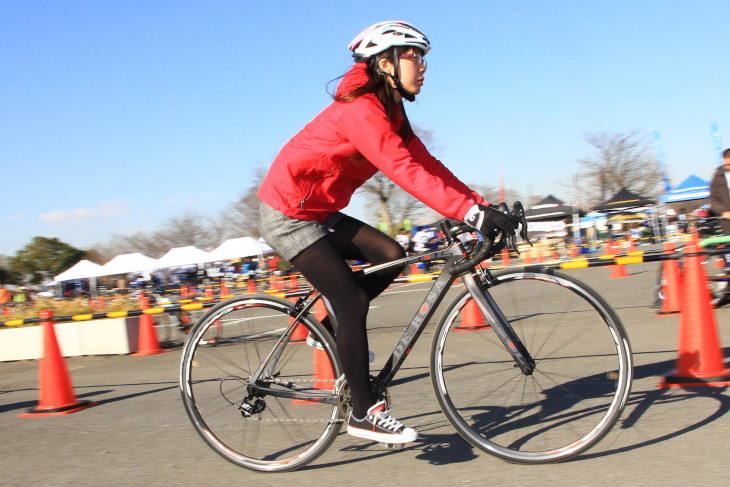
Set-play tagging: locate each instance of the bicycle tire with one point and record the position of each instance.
(580, 384)
(286, 434)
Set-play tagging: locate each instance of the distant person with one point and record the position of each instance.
(421, 239)
(365, 129)
(20, 296)
(404, 240)
(719, 194)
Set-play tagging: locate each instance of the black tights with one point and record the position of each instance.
(323, 265)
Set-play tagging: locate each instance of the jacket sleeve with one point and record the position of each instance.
(719, 197)
(365, 124)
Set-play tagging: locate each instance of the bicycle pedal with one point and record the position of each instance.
(393, 446)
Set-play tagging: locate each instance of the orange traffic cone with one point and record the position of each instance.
(540, 256)
(574, 251)
(471, 318)
(299, 335)
(183, 292)
(617, 270)
(225, 293)
(632, 246)
(251, 285)
(670, 287)
(209, 293)
(293, 282)
(700, 361)
(505, 256)
(56, 394)
(415, 269)
(147, 343)
(324, 376)
(528, 257)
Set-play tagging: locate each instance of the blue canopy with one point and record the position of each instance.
(692, 188)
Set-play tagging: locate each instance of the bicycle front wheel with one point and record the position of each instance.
(580, 383)
(289, 416)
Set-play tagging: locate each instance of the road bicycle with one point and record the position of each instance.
(527, 364)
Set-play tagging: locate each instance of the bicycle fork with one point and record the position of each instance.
(500, 324)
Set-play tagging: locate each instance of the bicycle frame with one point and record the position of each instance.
(474, 279)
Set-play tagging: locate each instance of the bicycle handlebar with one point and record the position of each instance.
(490, 245)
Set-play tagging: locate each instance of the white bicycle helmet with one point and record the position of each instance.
(383, 35)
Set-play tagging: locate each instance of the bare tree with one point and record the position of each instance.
(182, 231)
(622, 160)
(241, 219)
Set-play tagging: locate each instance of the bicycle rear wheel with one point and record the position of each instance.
(579, 386)
(285, 420)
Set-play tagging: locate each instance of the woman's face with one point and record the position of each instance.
(411, 69)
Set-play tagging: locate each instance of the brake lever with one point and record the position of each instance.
(517, 215)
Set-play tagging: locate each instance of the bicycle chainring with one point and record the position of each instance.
(344, 398)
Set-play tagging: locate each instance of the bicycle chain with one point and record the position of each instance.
(342, 391)
(296, 420)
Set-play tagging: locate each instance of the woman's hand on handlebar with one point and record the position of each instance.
(490, 221)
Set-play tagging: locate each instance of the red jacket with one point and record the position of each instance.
(319, 169)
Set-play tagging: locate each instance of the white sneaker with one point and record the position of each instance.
(378, 425)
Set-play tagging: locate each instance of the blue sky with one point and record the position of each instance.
(117, 116)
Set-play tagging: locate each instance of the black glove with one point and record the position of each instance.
(489, 221)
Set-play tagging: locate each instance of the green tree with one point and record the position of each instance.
(6, 277)
(44, 258)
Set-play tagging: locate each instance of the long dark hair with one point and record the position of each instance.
(379, 85)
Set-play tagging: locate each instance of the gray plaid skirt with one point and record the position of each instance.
(289, 236)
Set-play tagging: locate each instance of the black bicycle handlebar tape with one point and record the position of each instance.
(472, 261)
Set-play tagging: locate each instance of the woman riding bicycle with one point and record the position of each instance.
(316, 173)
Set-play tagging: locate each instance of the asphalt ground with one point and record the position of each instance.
(139, 434)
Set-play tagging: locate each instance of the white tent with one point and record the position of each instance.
(183, 256)
(238, 247)
(128, 263)
(83, 269)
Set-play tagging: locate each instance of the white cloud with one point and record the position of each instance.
(17, 216)
(80, 216)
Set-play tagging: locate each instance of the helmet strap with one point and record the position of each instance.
(396, 80)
